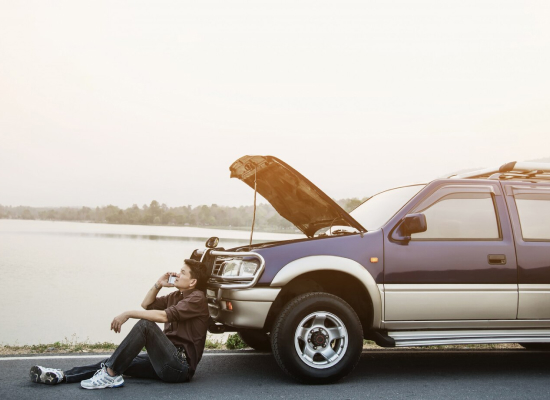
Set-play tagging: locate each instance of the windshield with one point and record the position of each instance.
(378, 210)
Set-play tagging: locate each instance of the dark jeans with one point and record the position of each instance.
(160, 362)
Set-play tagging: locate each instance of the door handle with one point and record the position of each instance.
(496, 259)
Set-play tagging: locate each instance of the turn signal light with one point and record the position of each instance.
(374, 259)
(229, 306)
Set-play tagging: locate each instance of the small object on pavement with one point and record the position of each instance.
(49, 376)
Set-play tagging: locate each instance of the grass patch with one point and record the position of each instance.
(213, 344)
(68, 345)
(235, 342)
(74, 345)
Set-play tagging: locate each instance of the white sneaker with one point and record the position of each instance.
(102, 380)
(49, 376)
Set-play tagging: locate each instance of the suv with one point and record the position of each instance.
(455, 261)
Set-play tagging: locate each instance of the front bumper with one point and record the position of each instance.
(249, 306)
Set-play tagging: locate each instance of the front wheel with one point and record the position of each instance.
(317, 338)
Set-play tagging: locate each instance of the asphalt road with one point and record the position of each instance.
(491, 374)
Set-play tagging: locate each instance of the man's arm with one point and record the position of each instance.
(150, 297)
(152, 293)
(149, 315)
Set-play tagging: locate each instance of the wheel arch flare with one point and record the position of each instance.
(313, 266)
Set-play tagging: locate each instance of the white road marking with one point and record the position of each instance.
(48, 357)
(107, 356)
(269, 354)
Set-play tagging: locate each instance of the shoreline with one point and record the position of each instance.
(215, 227)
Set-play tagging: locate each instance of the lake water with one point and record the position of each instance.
(69, 279)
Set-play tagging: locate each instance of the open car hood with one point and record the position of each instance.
(291, 194)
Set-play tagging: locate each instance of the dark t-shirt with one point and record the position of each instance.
(187, 321)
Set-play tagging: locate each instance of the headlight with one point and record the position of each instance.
(239, 268)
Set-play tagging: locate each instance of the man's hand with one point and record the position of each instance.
(159, 284)
(163, 280)
(118, 321)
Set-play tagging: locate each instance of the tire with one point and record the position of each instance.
(317, 338)
(258, 340)
(536, 346)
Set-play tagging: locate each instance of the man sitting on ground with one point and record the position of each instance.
(172, 355)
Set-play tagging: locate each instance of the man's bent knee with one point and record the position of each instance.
(143, 323)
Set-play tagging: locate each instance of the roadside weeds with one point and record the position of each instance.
(74, 345)
(231, 342)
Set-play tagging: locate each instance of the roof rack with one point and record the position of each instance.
(534, 171)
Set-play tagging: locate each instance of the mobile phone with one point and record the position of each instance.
(172, 279)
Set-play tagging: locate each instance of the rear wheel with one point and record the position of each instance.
(258, 340)
(317, 338)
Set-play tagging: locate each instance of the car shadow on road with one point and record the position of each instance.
(461, 364)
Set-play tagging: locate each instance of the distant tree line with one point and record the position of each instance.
(160, 214)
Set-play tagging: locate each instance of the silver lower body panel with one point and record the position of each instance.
(436, 338)
(407, 302)
(245, 314)
(249, 307)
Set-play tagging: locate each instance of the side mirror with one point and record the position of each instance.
(412, 223)
(212, 242)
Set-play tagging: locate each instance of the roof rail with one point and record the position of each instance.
(518, 170)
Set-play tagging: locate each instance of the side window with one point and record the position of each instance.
(534, 215)
(461, 216)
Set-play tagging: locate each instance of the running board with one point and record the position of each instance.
(436, 338)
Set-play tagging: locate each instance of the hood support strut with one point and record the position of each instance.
(254, 214)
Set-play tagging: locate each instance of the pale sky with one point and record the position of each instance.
(123, 102)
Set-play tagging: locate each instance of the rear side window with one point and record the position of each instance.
(534, 215)
(461, 216)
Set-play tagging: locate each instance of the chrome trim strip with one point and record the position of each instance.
(412, 335)
(534, 287)
(350, 267)
(425, 338)
(511, 339)
(467, 324)
(234, 254)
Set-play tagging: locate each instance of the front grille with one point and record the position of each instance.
(216, 270)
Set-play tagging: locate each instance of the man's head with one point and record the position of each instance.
(192, 275)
